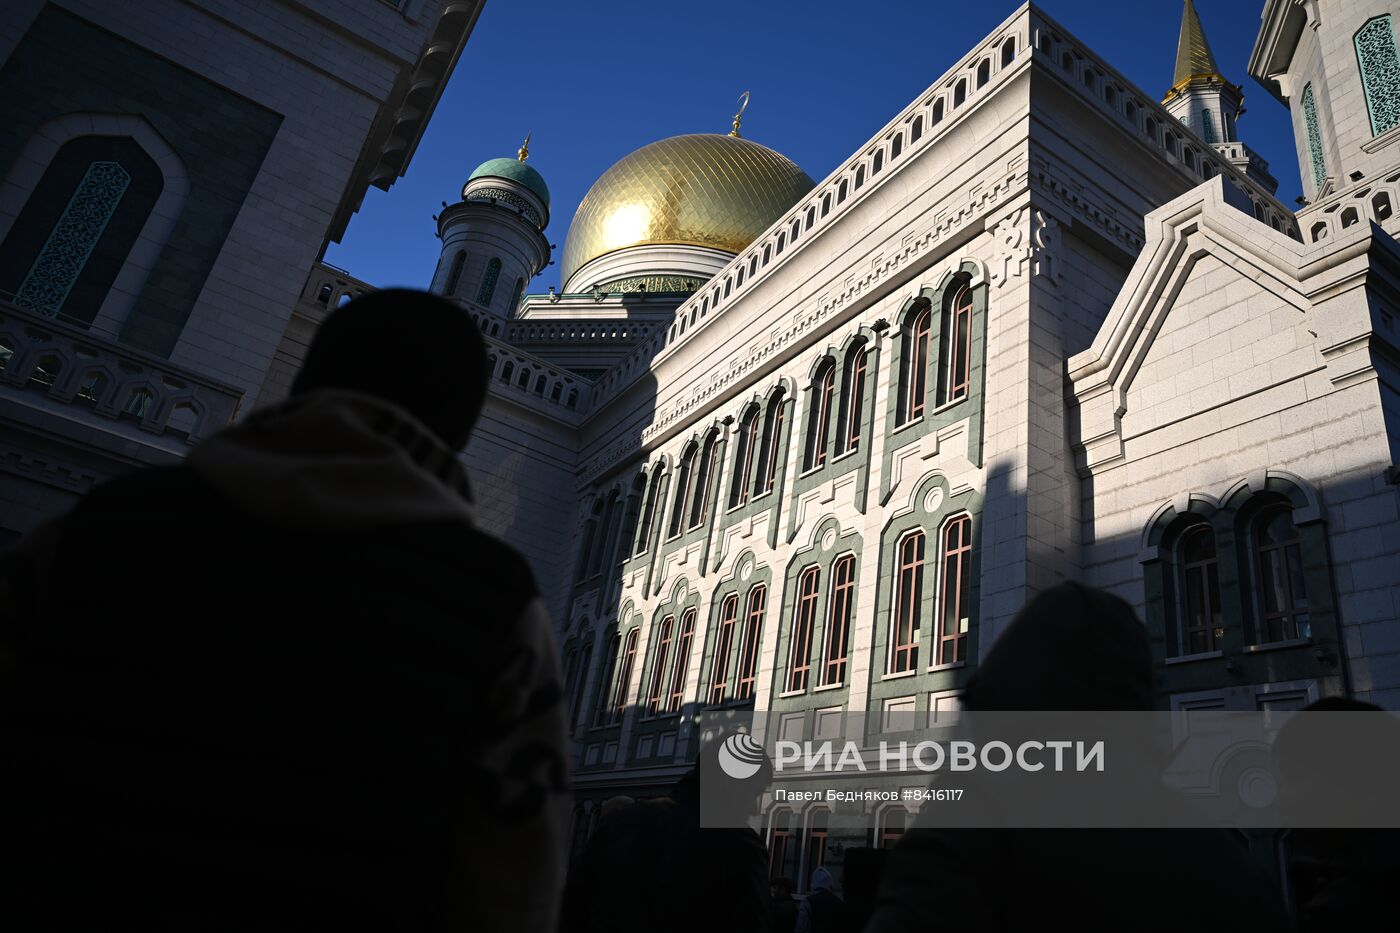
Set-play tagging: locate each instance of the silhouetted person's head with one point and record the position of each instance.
(1070, 648)
(419, 351)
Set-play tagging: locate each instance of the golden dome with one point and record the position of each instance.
(698, 190)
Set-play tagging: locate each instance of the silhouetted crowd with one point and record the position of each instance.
(289, 685)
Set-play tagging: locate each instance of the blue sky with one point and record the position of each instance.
(594, 81)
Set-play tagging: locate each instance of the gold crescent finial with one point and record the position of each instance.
(524, 152)
(738, 117)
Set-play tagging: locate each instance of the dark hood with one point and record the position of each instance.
(1071, 648)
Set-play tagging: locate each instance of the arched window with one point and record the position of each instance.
(904, 627)
(957, 576)
(914, 358)
(823, 387)
(959, 93)
(744, 457)
(507, 371)
(602, 710)
(324, 295)
(782, 241)
(767, 254)
(1319, 161)
(516, 294)
(704, 479)
(804, 619)
(753, 266)
(811, 219)
(1203, 627)
(878, 164)
(818, 829)
(916, 130)
(896, 146)
(79, 225)
(937, 115)
(1379, 61)
(682, 667)
(576, 692)
(892, 825)
(658, 664)
(488, 283)
(780, 844)
(344, 299)
(748, 645)
(852, 402)
(590, 536)
(724, 641)
(524, 379)
(984, 72)
(454, 273)
(955, 346)
(649, 507)
(826, 204)
(1207, 125)
(683, 489)
(1280, 591)
(838, 623)
(624, 676)
(772, 445)
(860, 176)
(841, 191)
(1008, 51)
(607, 529)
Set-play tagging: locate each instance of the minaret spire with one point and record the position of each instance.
(1202, 99)
(524, 152)
(1193, 55)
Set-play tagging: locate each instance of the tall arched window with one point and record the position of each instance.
(772, 445)
(488, 282)
(704, 480)
(624, 675)
(1008, 51)
(780, 844)
(649, 507)
(602, 709)
(860, 176)
(937, 116)
(916, 129)
(955, 346)
(683, 489)
(838, 623)
(957, 576)
(823, 387)
(1319, 161)
(80, 223)
(914, 356)
(724, 642)
(959, 93)
(575, 696)
(590, 539)
(1280, 591)
(904, 627)
(1202, 627)
(804, 620)
(1207, 125)
(841, 191)
(748, 646)
(744, 457)
(516, 294)
(852, 402)
(1379, 61)
(682, 666)
(658, 664)
(454, 273)
(818, 830)
(984, 72)
(612, 525)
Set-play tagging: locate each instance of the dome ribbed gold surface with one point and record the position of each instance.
(698, 190)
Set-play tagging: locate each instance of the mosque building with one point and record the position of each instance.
(805, 446)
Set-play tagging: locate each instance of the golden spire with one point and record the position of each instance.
(1193, 56)
(524, 152)
(738, 117)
